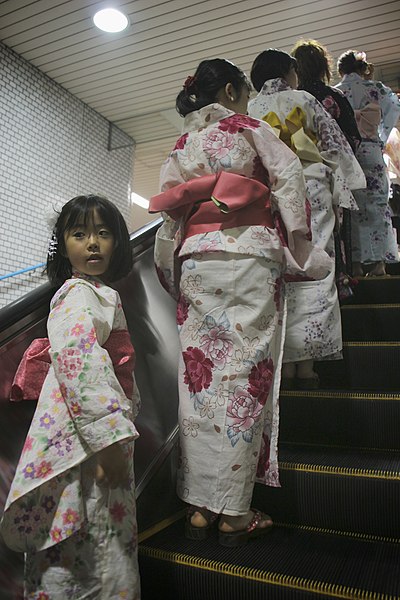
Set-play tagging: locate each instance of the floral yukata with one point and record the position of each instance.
(79, 538)
(230, 309)
(377, 110)
(331, 171)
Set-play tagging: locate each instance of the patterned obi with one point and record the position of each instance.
(35, 364)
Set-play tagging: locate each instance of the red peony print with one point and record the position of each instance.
(182, 310)
(263, 460)
(180, 144)
(243, 411)
(198, 373)
(118, 512)
(237, 123)
(260, 380)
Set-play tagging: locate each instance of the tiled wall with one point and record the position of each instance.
(52, 148)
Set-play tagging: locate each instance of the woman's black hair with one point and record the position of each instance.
(271, 64)
(210, 76)
(349, 63)
(313, 61)
(80, 211)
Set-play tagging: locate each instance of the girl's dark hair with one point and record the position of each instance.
(313, 61)
(349, 63)
(271, 64)
(210, 76)
(80, 210)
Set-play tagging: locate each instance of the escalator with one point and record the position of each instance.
(337, 522)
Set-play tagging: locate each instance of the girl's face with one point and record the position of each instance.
(89, 247)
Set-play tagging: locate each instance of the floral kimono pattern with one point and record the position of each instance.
(230, 310)
(373, 239)
(331, 172)
(69, 527)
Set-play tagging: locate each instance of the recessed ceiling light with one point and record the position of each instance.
(110, 20)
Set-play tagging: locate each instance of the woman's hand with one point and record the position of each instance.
(112, 469)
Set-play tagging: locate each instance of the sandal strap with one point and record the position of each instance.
(257, 517)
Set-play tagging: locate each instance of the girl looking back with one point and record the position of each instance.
(71, 507)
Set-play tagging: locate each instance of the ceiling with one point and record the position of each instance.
(133, 77)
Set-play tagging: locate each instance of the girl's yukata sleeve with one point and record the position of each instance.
(390, 107)
(168, 236)
(336, 152)
(290, 206)
(96, 402)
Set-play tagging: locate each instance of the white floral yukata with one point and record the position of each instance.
(331, 171)
(373, 238)
(80, 538)
(230, 310)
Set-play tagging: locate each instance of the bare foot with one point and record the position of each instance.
(228, 524)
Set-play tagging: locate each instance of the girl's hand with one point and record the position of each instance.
(112, 469)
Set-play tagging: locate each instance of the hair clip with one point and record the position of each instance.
(361, 56)
(53, 245)
(189, 82)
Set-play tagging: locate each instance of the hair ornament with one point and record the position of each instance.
(52, 212)
(189, 82)
(361, 56)
(53, 245)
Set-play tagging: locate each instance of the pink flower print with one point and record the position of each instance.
(198, 373)
(260, 380)
(331, 106)
(56, 395)
(218, 144)
(69, 362)
(46, 421)
(117, 511)
(86, 345)
(180, 144)
(48, 504)
(114, 405)
(182, 310)
(237, 123)
(70, 517)
(28, 444)
(43, 469)
(76, 409)
(56, 534)
(29, 471)
(92, 336)
(242, 412)
(77, 330)
(217, 345)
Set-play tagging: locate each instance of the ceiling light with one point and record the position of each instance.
(110, 20)
(139, 200)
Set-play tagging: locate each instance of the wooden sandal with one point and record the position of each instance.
(199, 533)
(252, 531)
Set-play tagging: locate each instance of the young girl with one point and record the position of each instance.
(236, 204)
(71, 507)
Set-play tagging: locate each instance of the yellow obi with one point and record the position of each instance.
(293, 132)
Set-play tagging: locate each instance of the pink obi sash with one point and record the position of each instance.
(35, 364)
(368, 119)
(213, 202)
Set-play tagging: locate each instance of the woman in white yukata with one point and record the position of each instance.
(377, 109)
(71, 507)
(313, 329)
(235, 199)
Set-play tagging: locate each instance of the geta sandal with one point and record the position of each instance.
(252, 531)
(199, 533)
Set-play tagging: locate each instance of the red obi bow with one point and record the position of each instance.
(216, 201)
(35, 364)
